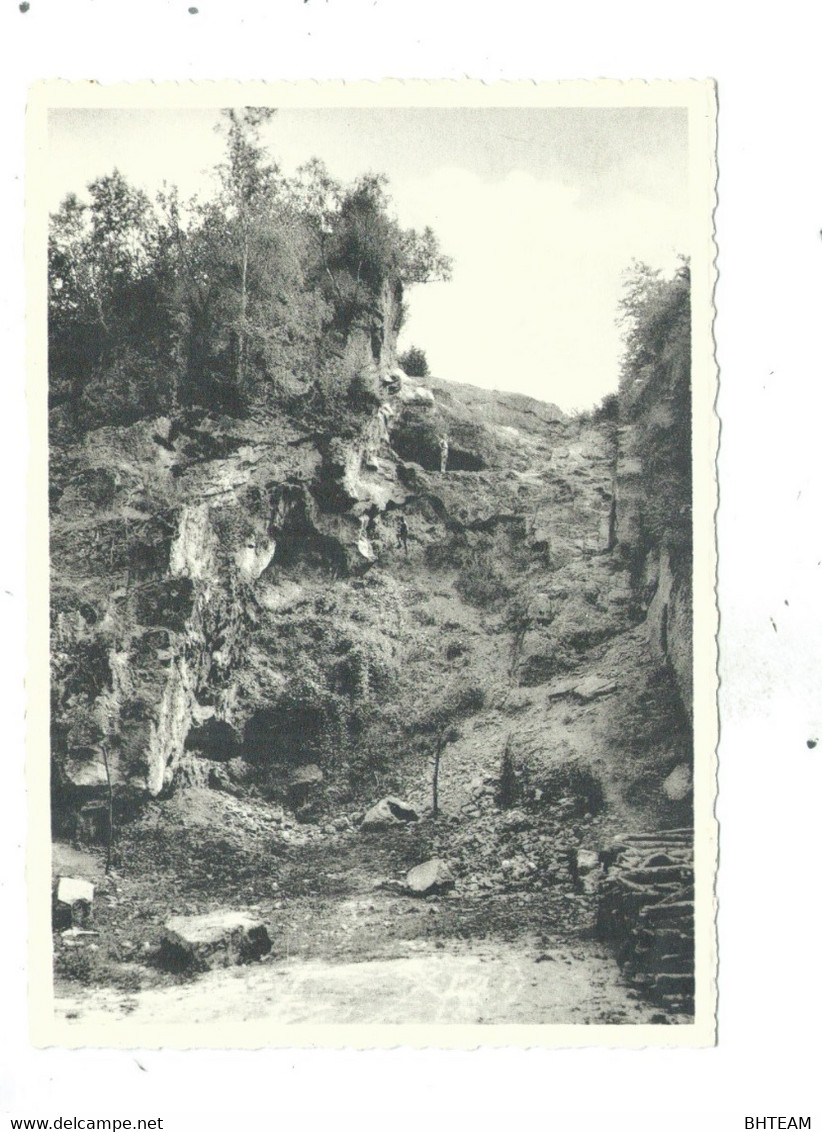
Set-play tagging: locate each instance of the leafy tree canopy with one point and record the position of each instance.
(655, 395)
(244, 298)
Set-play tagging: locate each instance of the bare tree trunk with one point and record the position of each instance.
(507, 776)
(435, 807)
(243, 308)
(110, 837)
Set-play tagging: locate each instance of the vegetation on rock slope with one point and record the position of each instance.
(264, 294)
(235, 606)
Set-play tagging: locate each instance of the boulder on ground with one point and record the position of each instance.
(589, 870)
(303, 782)
(215, 939)
(72, 889)
(430, 877)
(73, 899)
(411, 394)
(587, 861)
(677, 786)
(386, 814)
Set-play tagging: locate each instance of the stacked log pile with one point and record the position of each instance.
(646, 908)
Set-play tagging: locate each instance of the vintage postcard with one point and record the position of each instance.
(372, 697)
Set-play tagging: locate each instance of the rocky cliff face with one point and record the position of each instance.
(234, 605)
(652, 527)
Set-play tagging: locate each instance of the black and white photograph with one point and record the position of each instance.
(381, 628)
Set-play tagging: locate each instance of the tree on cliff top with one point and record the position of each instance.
(655, 316)
(248, 181)
(241, 300)
(109, 330)
(655, 398)
(362, 245)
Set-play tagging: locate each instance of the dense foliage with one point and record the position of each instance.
(237, 301)
(655, 398)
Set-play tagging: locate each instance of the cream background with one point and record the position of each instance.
(768, 294)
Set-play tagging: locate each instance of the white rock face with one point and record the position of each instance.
(192, 552)
(168, 733)
(254, 557)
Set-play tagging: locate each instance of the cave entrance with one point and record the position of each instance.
(286, 734)
(214, 739)
(310, 551)
(461, 460)
(421, 445)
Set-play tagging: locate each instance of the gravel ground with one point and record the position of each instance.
(508, 945)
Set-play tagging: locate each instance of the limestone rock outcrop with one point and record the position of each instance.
(236, 599)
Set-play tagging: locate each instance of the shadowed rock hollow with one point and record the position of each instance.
(232, 601)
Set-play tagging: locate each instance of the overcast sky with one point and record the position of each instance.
(541, 209)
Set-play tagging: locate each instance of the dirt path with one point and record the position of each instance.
(347, 946)
(492, 982)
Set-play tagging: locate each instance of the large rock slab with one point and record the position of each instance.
(88, 774)
(591, 687)
(430, 877)
(386, 814)
(215, 939)
(72, 889)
